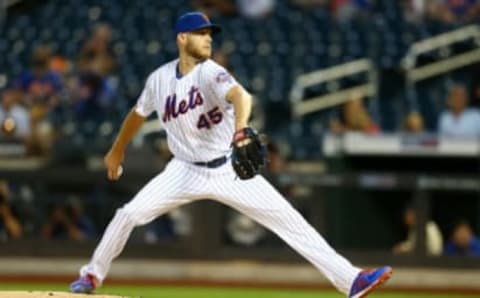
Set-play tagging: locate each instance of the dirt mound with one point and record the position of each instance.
(48, 294)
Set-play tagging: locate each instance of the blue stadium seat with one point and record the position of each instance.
(268, 53)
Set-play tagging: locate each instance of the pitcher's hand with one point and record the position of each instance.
(113, 161)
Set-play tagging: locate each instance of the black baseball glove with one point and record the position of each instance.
(249, 153)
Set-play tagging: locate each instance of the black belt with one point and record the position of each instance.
(214, 163)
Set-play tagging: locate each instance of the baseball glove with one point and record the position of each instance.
(249, 153)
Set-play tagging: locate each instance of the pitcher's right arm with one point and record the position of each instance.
(115, 156)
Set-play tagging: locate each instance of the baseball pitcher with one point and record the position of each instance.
(205, 113)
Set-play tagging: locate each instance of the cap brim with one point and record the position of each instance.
(215, 28)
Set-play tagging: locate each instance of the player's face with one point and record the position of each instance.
(199, 44)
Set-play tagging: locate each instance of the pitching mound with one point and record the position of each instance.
(37, 294)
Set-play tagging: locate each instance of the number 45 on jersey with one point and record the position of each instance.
(210, 118)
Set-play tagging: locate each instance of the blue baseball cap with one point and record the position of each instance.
(192, 21)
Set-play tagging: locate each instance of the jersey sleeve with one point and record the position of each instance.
(146, 103)
(219, 81)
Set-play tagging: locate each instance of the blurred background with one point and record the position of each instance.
(371, 108)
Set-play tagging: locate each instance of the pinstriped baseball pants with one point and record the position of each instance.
(182, 182)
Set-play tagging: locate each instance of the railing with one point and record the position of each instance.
(4, 4)
(302, 106)
(448, 63)
(7, 3)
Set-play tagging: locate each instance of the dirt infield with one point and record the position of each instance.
(39, 294)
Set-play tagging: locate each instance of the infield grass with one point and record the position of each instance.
(211, 292)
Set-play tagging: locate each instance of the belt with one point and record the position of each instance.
(214, 163)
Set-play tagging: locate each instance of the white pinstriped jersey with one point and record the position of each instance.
(192, 109)
(199, 124)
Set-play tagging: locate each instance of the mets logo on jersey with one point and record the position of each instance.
(223, 77)
(172, 110)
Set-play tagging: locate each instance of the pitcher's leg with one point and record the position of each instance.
(257, 199)
(161, 194)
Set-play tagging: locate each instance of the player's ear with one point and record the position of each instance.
(182, 38)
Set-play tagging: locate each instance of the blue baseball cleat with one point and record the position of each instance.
(368, 280)
(84, 285)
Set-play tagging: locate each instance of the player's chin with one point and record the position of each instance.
(202, 55)
(205, 54)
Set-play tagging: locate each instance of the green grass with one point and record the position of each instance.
(211, 292)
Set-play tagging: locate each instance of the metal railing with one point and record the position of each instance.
(443, 65)
(302, 106)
